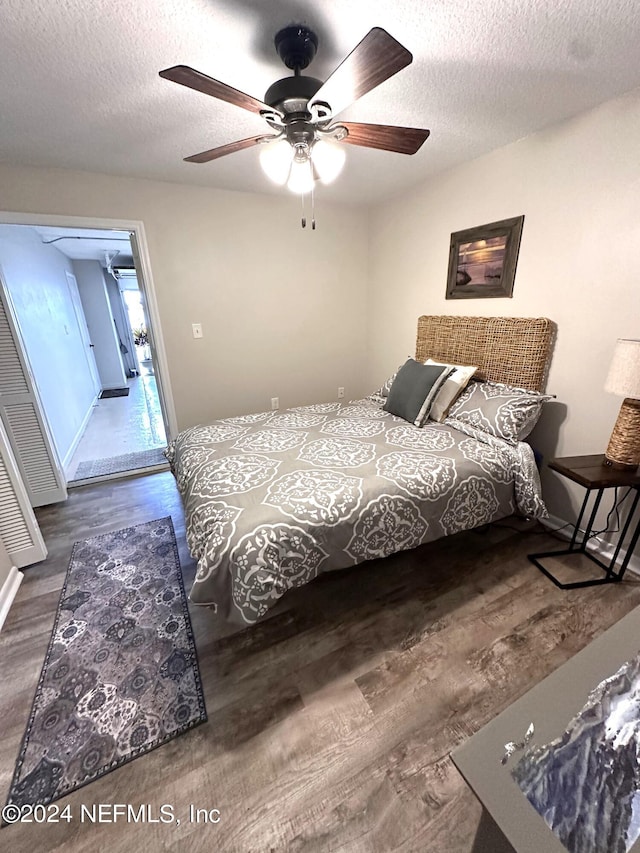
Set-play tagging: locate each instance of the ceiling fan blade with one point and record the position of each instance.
(231, 148)
(193, 79)
(376, 58)
(404, 140)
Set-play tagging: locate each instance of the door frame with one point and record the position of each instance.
(145, 282)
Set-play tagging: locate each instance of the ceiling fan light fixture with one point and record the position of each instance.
(275, 159)
(301, 175)
(328, 159)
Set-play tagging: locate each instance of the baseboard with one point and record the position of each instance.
(76, 441)
(600, 547)
(8, 592)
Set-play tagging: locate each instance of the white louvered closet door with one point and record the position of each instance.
(19, 529)
(21, 416)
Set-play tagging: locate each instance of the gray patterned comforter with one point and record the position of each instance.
(274, 499)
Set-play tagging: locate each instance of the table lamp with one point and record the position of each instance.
(623, 451)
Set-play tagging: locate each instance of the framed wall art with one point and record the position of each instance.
(482, 260)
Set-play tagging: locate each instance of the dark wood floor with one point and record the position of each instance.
(331, 723)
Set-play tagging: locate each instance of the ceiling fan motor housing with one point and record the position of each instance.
(291, 94)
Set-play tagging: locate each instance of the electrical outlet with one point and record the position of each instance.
(275, 403)
(197, 330)
(340, 393)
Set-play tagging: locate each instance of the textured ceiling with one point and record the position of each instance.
(80, 86)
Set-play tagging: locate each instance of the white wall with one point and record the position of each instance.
(36, 279)
(282, 309)
(578, 185)
(102, 331)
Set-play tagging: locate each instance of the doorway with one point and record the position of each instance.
(103, 328)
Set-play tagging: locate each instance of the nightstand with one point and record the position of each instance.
(595, 476)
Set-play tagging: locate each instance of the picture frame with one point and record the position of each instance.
(482, 260)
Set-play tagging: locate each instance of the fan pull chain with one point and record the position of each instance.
(303, 221)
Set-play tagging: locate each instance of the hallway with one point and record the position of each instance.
(123, 433)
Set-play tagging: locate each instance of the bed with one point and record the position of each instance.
(273, 499)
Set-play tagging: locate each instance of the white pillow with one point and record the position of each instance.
(451, 390)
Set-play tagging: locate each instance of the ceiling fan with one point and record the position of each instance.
(301, 110)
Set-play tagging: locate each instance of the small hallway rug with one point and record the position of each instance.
(121, 674)
(117, 464)
(114, 392)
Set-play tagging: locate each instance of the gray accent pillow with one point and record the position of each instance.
(500, 410)
(414, 389)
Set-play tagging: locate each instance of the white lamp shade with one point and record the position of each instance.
(624, 373)
(328, 158)
(275, 159)
(301, 177)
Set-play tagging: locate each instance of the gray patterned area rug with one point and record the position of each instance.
(116, 464)
(121, 674)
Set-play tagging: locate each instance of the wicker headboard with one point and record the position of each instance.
(515, 350)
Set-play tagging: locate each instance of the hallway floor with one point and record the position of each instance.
(122, 425)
